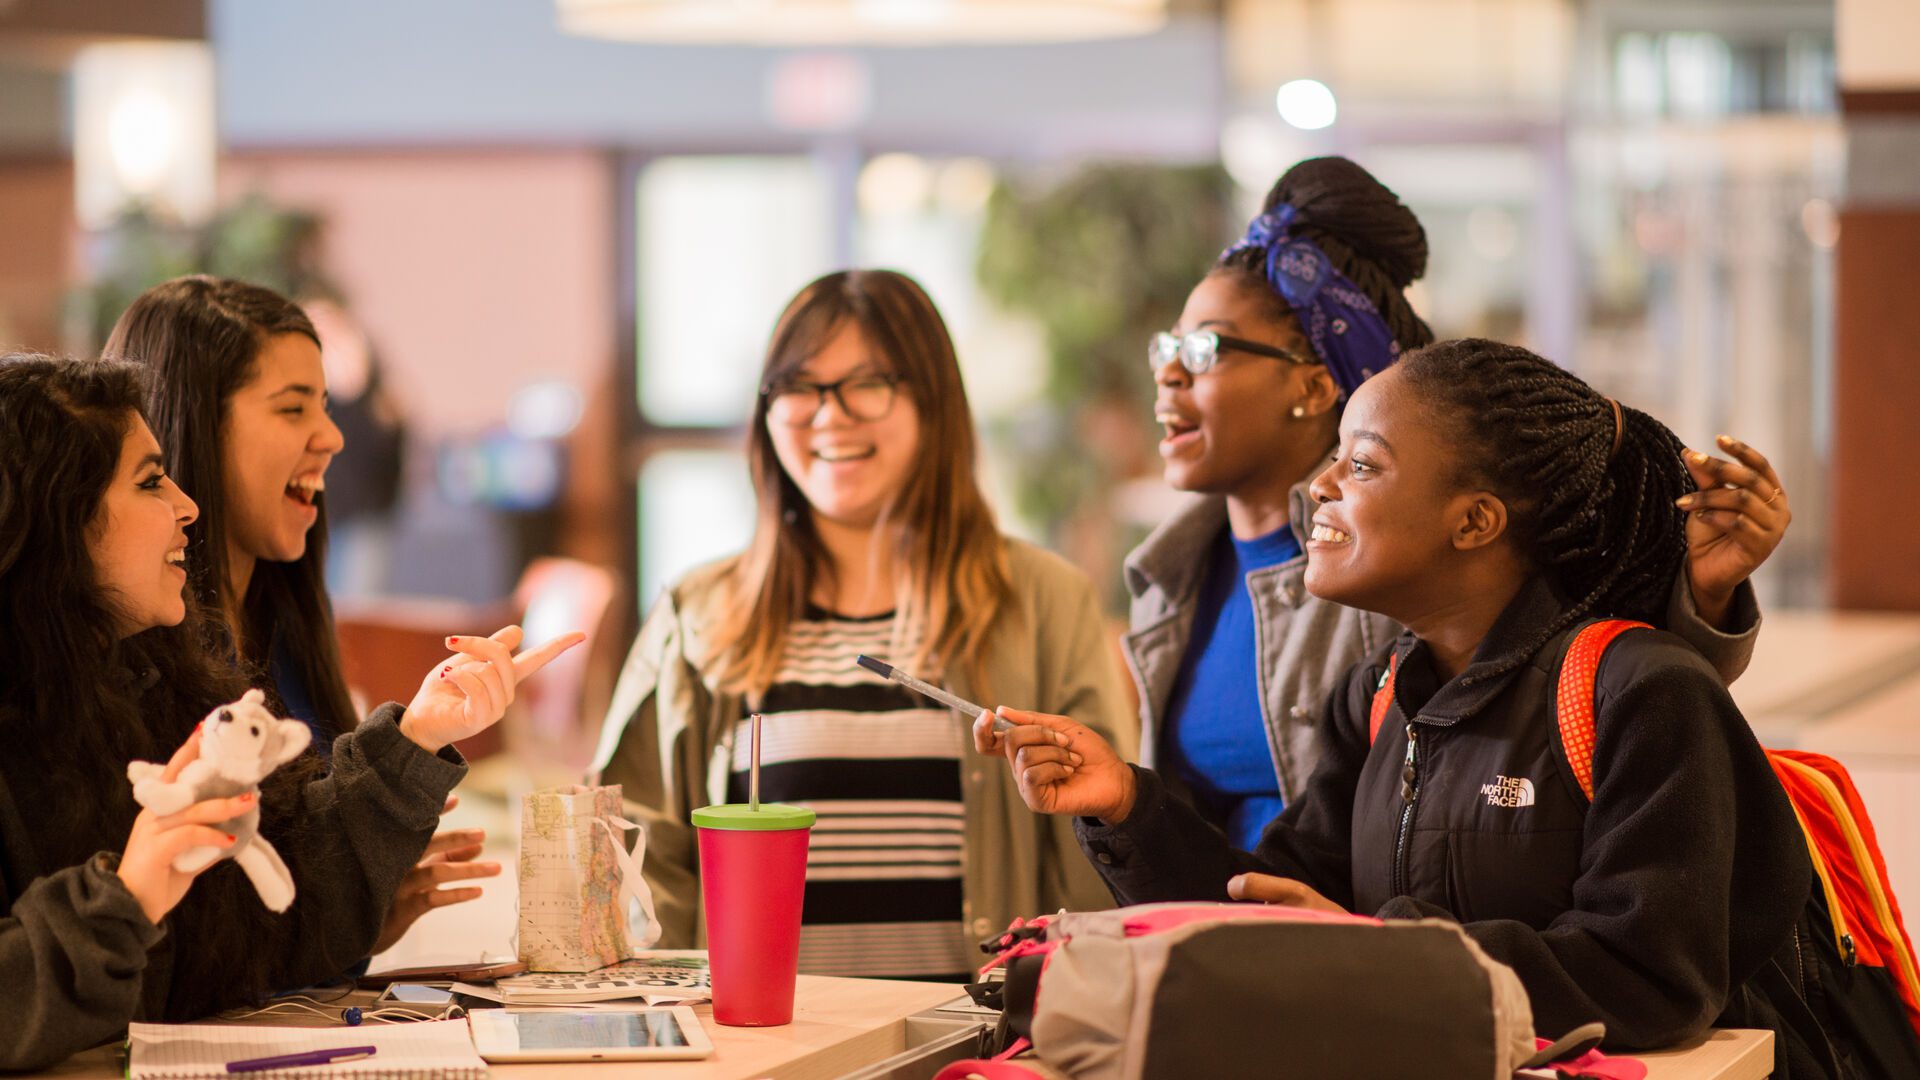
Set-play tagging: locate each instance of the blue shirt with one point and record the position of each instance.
(1215, 739)
(291, 684)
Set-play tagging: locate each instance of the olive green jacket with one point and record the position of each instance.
(668, 741)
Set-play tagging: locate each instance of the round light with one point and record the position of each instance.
(895, 185)
(1306, 104)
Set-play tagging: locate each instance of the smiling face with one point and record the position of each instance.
(276, 443)
(1232, 429)
(848, 469)
(138, 541)
(1393, 524)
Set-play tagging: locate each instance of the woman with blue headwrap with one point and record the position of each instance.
(1233, 658)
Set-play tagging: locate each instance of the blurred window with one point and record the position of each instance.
(720, 244)
(695, 506)
(1701, 75)
(724, 243)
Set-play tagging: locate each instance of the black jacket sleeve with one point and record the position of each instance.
(72, 951)
(1165, 850)
(1687, 825)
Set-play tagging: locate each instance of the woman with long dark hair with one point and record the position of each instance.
(1494, 505)
(238, 399)
(105, 665)
(238, 396)
(1232, 655)
(872, 537)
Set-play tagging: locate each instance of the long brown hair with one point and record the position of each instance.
(953, 580)
(200, 339)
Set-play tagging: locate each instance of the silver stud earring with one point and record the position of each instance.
(1299, 411)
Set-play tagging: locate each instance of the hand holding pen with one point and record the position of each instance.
(1060, 765)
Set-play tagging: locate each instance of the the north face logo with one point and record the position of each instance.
(1509, 791)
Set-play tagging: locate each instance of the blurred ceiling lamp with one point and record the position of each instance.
(1306, 104)
(143, 131)
(859, 22)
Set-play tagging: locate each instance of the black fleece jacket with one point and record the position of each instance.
(1647, 910)
(78, 958)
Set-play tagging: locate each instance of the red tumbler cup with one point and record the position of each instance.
(753, 870)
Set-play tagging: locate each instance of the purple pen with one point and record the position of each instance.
(309, 1057)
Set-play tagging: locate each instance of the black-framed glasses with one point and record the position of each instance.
(862, 397)
(1199, 350)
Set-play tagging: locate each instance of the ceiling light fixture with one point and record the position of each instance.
(859, 22)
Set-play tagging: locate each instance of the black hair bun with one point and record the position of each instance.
(1337, 199)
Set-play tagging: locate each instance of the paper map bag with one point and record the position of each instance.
(577, 881)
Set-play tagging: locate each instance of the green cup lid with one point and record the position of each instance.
(770, 816)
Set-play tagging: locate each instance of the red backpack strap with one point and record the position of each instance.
(1382, 700)
(1573, 701)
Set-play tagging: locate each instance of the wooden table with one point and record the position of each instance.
(1721, 1054)
(839, 1026)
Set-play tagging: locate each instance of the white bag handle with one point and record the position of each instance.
(633, 886)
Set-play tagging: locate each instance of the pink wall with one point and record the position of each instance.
(36, 251)
(475, 272)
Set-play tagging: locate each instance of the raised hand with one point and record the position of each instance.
(1061, 766)
(1734, 522)
(471, 691)
(146, 864)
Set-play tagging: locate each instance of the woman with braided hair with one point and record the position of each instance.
(1231, 654)
(1494, 504)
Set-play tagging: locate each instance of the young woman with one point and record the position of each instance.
(1492, 504)
(871, 538)
(1231, 654)
(96, 928)
(238, 398)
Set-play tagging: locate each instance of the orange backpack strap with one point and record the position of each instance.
(1573, 701)
(1382, 700)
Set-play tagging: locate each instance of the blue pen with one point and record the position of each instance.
(310, 1057)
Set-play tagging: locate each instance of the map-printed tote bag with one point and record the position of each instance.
(577, 881)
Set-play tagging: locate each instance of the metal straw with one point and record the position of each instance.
(753, 769)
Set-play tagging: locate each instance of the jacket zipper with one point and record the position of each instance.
(1409, 791)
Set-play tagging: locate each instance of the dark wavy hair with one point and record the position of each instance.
(200, 337)
(1597, 518)
(1368, 233)
(78, 701)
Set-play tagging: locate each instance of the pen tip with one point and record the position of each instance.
(877, 667)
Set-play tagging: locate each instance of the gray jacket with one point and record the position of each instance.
(1305, 645)
(79, 958)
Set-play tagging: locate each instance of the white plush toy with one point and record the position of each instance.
(239, 745)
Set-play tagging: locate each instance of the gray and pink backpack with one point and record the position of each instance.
(1245, 990)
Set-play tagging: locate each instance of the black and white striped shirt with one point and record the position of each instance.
(880, 766)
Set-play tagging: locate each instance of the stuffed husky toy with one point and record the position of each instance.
(239, 745)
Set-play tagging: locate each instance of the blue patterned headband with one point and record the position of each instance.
(1341, 323)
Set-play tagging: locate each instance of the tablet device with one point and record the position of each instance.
(643, 1035)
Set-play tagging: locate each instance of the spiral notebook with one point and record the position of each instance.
(437, 1049)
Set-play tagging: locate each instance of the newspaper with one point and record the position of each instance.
(678, 976)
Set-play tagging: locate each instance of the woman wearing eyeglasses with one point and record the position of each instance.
(872, 537)
(1234, 660)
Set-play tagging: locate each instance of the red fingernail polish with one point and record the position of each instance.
(246, 796)
(231, 838)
